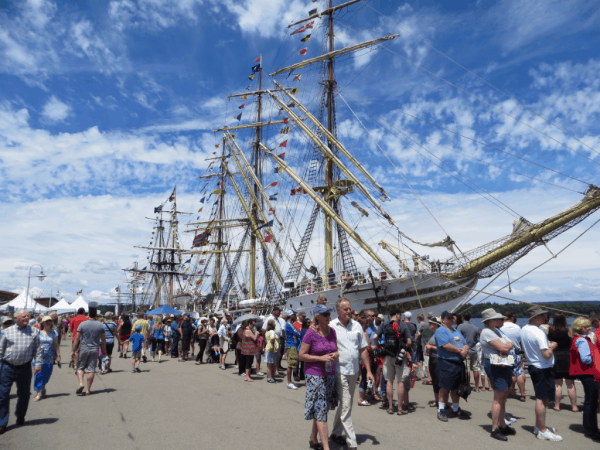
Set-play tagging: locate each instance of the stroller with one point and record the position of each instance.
(212, 356)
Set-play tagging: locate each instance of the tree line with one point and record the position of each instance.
(520, 309)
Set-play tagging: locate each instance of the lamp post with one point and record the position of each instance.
(40, 277)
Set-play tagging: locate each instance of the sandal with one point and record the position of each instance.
(401, 412)
(522, 398)
(364, 403)
(433, 403)
(427, 382)
(390, 411)
(315, 445)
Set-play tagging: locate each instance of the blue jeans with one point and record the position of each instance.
(590, 404)
(8, 376)
(174, 351)
(42, 378)
(383, 387)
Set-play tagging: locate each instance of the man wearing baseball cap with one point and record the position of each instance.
(452, 351)
(540, 357)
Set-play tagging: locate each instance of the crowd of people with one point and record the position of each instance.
(333, 357)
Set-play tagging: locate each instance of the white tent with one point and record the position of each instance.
(21, 302)
(62, 307)
(79, 303)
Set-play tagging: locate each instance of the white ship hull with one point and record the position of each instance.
(432, 292)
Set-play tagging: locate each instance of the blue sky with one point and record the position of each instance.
(106, 105)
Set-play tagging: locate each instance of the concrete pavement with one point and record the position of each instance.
(184, 405)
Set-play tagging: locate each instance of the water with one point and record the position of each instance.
(520, 321)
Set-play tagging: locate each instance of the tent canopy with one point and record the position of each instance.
(22, 301)
(164, 309)
(62, 307)
(79, 303)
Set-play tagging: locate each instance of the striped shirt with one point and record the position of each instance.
(19, 346)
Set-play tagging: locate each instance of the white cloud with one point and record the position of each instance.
(55, 110)
(267, 18)
(99, 267)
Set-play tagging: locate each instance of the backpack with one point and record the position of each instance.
(391, 342)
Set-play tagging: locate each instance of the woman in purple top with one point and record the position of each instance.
(319, 353)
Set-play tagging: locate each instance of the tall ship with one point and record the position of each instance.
(288, 212)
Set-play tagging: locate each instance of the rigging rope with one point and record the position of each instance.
(392, 163)
(489, 84)
(492, 106)
(514, 213)
(477, 141)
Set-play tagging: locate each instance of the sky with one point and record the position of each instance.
(105, 106)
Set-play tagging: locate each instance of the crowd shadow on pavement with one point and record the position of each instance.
(577, 428)
(362, 438)
(64, 394)
(31, 423)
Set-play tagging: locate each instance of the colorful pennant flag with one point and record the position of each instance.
(303, 51)
(283, 144)
(268, 238)
(158, 209)
(202, 200)
(272, 210)
(295, 91)
(282, 155)
(238, 117)
(216, 146)
(273, 184)
(249, 86)
(188, 261)
(302, 29)
(285, 120)
(273, 198)
(306, 39)
(202, 261)
(268, 224)
(312, 12)
(285, 130)
(79, 292)
(117, 289)
(251, 76)
(278, 170)
(309, 25)
(244, 97)
(216, 202)
(256, 68)
(298, 190)
(258, 59)
(172, 197)
(297, 77)
(217, 191)
(241, 106)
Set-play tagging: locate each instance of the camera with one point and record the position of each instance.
(400, 357)
(378, 352)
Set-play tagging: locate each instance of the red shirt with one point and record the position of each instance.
(298, 326)
(75, 322)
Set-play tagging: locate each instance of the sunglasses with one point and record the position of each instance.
(326, 314)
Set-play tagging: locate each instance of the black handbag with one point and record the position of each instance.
(463, 390)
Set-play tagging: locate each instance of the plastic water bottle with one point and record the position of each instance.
(370, 384)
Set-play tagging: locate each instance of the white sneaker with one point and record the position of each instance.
(292, 386)
(548, 436)
(536, 430)
(260, 374)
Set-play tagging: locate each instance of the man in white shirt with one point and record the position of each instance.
(351, 343)
(279, 331)
(540, 357)
(513, 332)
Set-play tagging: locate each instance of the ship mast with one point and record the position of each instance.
(220, 232)
(328, 163)
(252, 290)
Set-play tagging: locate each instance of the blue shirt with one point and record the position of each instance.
(291, 336)
(444, 336)
(302, 333)
(137, 339)
(584, 351)
(371, 331)
(174, 328)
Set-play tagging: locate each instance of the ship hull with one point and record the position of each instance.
(418, 293)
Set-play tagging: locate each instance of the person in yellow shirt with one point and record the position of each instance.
(145, 329)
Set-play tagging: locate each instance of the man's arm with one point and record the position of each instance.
(38, 354)
(103, 337)
(364, 356)
(3, 341)
(76, 343)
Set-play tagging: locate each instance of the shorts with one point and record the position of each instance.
(543, 382)
(518, 369)
(271, 357)
(473, 362)
(292, 357)
(500, 376)
(136, 355)
(87, 360)
(449, 373)
(124, 337)
(109, 348)
(185, 344)
(392, 371)
(223, 344)
(425, 361)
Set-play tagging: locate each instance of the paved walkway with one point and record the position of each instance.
(181, 405)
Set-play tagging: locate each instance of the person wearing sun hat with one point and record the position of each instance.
(540, 358)
(497, 348)
(50, 353)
